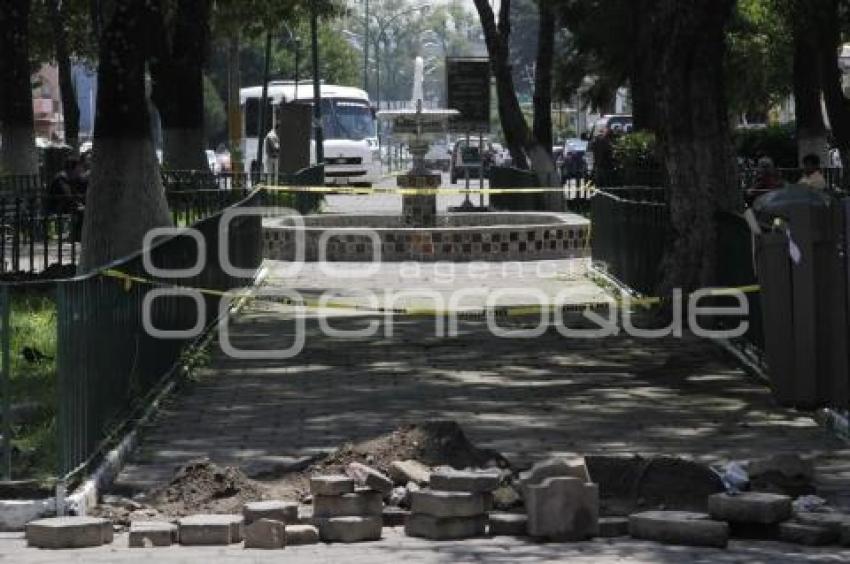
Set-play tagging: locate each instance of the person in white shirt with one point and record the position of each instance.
(271, 148)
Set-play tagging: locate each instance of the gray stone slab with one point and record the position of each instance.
(144, 534)
(350, 529)
(404, 471)
(474, 481)
(508, 524)
(395, 517)
(216, 530)
(679, 527)
(68, 532)
(610, 527)
(562, 509)
(362, 503)
(447, 503)
(435, 528)
(369, 477)
(331, 485)
(750, 507)
(285, 511)
(807, 535)
(554, 468)
(301, 534)
(265, 534)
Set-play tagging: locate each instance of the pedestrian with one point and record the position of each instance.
(63, 193)
(271, 149)
(812, 175)
(767, 179)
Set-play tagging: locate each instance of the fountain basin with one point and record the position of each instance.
(457, 237)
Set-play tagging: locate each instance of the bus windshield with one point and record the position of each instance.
(346, 119)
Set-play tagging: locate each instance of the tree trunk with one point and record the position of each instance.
(543, 76)
(70, 109)
(17, 153)
(643, 78)
(811, 130)
(234, 112)
(694, 133)
(178, 83)
(125, 198)
(826, 16)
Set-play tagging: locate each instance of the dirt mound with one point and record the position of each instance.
(201, 486)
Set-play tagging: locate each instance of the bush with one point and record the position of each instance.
(779, 142)
(637, 160)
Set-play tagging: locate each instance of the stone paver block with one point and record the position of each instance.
(808, 535)
(68, 532)
(679, 527)
(266, 534)
(508, 524)
(370, 477)
(350, 529)
(562, 509)
(554, 468)
(435, 528)
(210, 529)
(301, 534)
(474, 481)
(285, 511)
(404, 471)
(789, 465)
(839, 523)
(144, 534)
(395, 517)
(610, 527)
(363, 503)
(750, 507)
(447, 504)
(331, 485)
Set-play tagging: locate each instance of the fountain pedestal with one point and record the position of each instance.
(419, 210)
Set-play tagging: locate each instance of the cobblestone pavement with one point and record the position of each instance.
(395, 547)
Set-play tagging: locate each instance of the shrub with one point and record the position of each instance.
(779, 142)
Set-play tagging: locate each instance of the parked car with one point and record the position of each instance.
(468, 159)
(439, 157)
(573, 164)
(623, 123)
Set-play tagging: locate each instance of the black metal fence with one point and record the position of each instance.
(77, 358)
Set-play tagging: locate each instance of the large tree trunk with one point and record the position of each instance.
(70, 109)
(811, 130)
(826, 17)
(694, 132)
(17, 153)
(125, 197)
(543, 76)
(178, 83)
(643, 78)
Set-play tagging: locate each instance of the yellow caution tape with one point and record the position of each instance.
(357, 191)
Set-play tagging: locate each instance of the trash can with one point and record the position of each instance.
(802, 270)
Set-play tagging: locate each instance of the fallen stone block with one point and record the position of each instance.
(750, 507)
(808, 535)
(679, 527)
(508, 524)
(562, 509)
(144, 534)
(472, 481)
(838, 523)
(305, 515)
(506, 497)
(284, 511)
(785, 473)
(331, 485)
(68, 532)
(301, 534)
(610, 527)
(404, 471)
(436, 528)
(554, 468)
(395, 517)
(363, 503)
(369, 477)
(447, 503)
(350, 529)
(265, 534)
(200, 530)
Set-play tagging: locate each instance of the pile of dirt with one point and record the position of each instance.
(201, 486)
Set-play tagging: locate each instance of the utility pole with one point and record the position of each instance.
(366, 48)
(317, 90)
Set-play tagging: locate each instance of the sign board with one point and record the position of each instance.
(468, 86)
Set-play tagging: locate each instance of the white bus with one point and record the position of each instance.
(351, 140)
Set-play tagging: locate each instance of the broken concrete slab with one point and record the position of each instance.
(301, 534)
(395, 517)
(508, 524)
(554, 468)
(362, 503)
(611, 527)
(562, 509)
(447, 503)
(807, 535)
(436, 528)
(785, 473)
(750, 507)
(265, 534)
(472, 481)
(839, 523)
(350, 529)
(331, 485)
(404, 471)
(68, 532)
(200, 530)
(144, 534)
(369, 477)
(285, 511)
(679, 527)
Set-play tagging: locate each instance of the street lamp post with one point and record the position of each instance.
(366, 49)
(317, 90)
